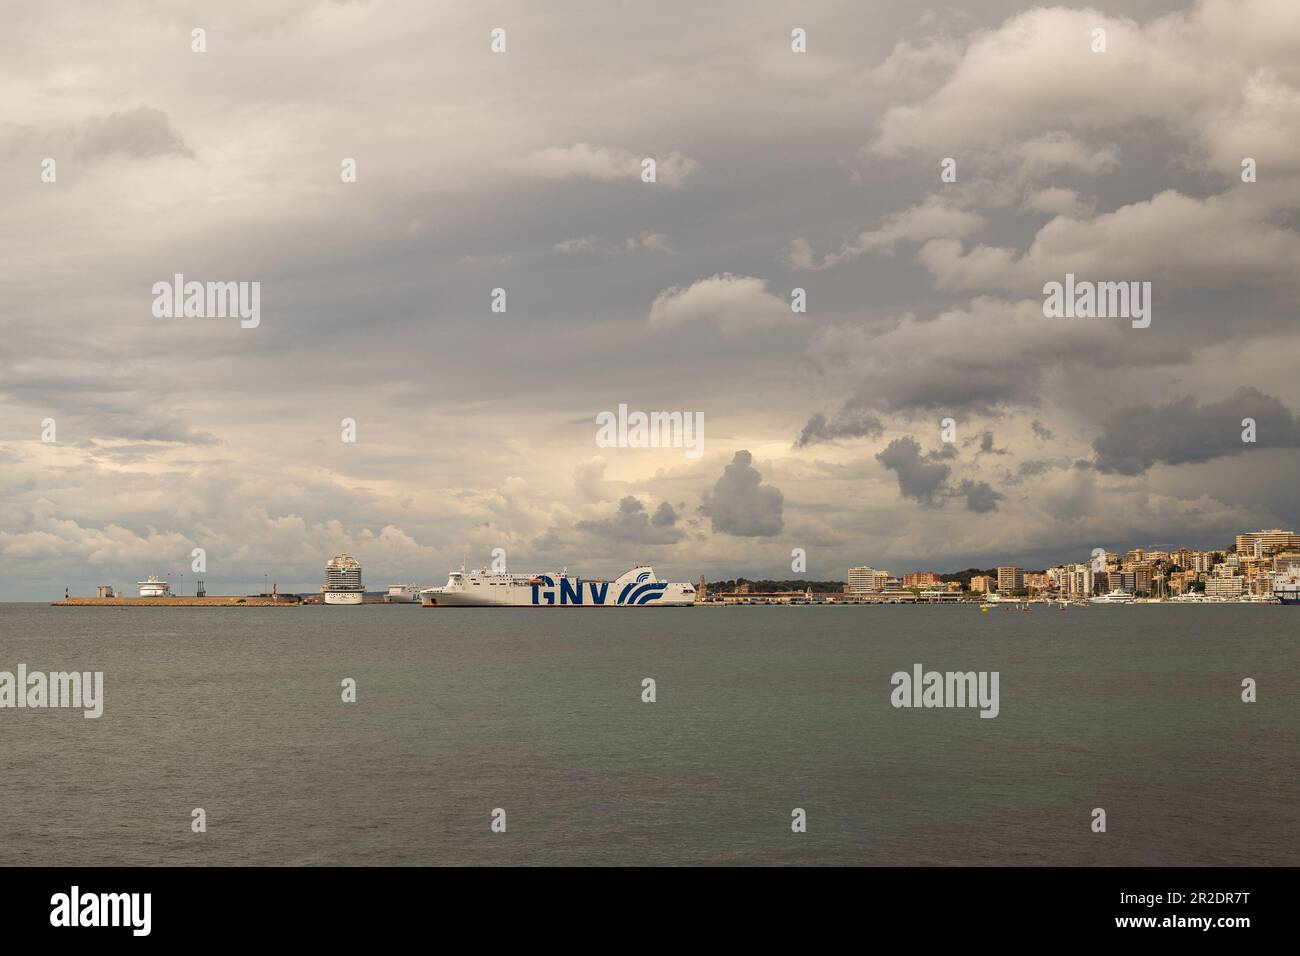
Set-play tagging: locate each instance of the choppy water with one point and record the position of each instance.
(760, 710)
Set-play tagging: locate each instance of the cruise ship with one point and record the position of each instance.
(483, 588)
(402, 594)
(1286, 585)
(343, 580)
(1117, 596)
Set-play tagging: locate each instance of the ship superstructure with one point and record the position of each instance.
(1286, 585)
(343, 580)
(638, 587)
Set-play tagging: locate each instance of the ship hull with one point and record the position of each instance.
(342, 597)
(636, 588)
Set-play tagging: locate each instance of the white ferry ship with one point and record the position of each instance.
(1286, 585)
(1117, 596)
(483, 588)
(343, 580)
(402, 594)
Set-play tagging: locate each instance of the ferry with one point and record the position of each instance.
(638, 587)
(1286, 585)
(1117, 596)
(343, 580)
(402, 594)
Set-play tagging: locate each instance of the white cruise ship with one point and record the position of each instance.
(1117, 596)
(343, 580)
(402, 594)
(483, 588)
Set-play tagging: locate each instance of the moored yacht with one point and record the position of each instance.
(1117, 596)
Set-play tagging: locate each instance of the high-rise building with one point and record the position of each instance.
(979, 584)
(1269, 542)
(1010, 580)
(867, 580)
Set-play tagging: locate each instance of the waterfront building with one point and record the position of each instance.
(1010, 580)
(1224, 586)
(979, 584)
(921, 579)
(1270, 542)
(867, 580)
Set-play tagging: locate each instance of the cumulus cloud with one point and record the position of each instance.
(1059, 150)
(632, 524)
(849, 423)
(990, 355)
(980, 496)
(1182, 431)
(1211, 72)
(934, 218)
(918, 478)
(735, 303)
(923, 477)
(1179, 242)
(740, 504)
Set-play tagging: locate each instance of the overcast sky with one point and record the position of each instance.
(521, 170)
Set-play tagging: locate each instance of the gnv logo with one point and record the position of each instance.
(641, 591)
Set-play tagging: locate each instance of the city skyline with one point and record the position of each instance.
(837, 275)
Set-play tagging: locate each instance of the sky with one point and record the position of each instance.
(127, 439)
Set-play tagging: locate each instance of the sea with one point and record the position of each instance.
(768, 736)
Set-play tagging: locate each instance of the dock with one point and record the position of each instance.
(215, 600)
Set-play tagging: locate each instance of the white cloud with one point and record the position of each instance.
(932, 219)
(736, 303)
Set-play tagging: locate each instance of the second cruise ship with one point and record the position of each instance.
(483, 588)
(343, 580)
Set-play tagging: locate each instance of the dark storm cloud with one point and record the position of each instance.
(138, 134)
(1040, 466)
(917, 478)
(1181, 431)
(631, 523)
(849, 423)
(1042, 431)
(980, 496)
(740, 504)
(664, 516)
